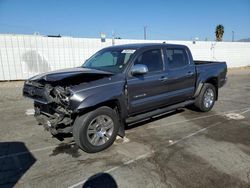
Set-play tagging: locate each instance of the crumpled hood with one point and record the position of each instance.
(70, 76)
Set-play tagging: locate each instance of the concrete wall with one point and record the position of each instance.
(22, 56)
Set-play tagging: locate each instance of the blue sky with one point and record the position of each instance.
(165, 19)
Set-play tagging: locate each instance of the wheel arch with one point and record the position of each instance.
(211, 80)
(116, 105)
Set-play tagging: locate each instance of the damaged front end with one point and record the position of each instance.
(51, 106)
(52, 96)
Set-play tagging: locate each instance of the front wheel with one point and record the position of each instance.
(206, 99)
(96, 130)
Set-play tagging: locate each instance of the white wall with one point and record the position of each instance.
(22, 56)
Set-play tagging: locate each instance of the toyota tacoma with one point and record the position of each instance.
(120, 85)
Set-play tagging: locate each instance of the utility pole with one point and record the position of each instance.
(232, 36)
(113, 38)
(145, 32)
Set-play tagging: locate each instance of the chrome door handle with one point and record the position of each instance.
(163, 79)
(190, 73)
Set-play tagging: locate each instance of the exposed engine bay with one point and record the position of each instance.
(51, 94)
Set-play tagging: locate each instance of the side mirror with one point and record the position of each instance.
(139, 69)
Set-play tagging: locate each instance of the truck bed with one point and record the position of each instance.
(217, 69)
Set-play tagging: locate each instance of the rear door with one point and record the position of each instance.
(146, 91)
(181, 74)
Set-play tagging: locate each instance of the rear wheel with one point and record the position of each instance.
(206, 99)
(96, 130)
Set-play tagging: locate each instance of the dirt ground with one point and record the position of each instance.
(180, 149)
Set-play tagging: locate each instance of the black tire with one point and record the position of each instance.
(199, 102)
(81, 124)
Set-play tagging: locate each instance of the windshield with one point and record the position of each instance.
(111, 60)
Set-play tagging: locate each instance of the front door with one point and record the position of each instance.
(147, 91)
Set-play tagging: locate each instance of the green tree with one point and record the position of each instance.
(219, 31)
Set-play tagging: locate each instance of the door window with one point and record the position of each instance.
(152, 59)
(177, 58)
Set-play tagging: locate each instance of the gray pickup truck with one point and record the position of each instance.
(119, 85)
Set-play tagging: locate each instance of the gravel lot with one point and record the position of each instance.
(181, 149)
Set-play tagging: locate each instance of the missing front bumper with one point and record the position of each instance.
(54, 123)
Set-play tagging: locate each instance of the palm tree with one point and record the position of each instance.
(219, 31)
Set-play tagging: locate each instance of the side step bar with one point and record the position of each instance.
(158, 111)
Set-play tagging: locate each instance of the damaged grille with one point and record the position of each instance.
(51, 105)
(46, 93)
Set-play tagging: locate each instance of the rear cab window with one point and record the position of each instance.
(176, 58)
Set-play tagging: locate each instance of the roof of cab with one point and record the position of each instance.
(144, 45)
